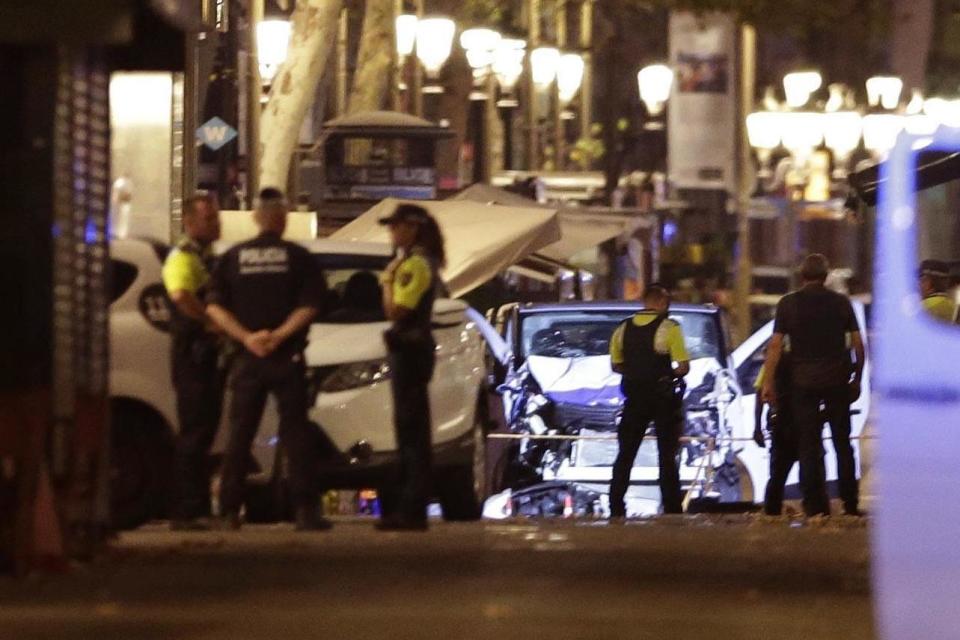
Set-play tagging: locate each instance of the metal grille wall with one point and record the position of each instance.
(80, 295)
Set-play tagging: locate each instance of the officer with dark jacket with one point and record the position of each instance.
(823, 331)
(197, 378)
(648, 350)
(265, 293)
(410, 285)
(784, 444)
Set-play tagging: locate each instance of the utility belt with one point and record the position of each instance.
(662, 388)
(200, 348)
(402, 340)
(820, 373)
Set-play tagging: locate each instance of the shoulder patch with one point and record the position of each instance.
(405, 279)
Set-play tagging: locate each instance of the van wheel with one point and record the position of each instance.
(462, 488)
(732, 481)
(141, 458)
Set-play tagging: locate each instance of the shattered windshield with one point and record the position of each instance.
(577, 334)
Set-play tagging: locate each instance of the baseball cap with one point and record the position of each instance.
(935, 268)
(406, 213)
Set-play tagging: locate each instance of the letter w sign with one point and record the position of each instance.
(215, 133)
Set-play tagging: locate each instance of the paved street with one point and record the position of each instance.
(725, 577)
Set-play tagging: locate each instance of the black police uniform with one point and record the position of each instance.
(650, 393)
(198, 381)
(411, 351)
(817, 321)
(262, 282)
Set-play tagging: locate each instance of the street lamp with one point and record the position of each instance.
(543, 65)
(945, 112)
(802, 132)
(480, 46)
(655, 82)
(799, 86)
(763, 132)
(273, 38)
(841, 133)
(569, 76)
(508, 62)
(405, 27)
(884, 91)
(434, 45)
(880, 131)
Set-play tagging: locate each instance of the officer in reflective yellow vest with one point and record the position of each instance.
(197, 379)
(648, 350)
(934, 275)
(410, 285)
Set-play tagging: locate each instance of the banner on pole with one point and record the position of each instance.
(702, 111)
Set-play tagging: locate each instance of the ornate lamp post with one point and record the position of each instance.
(434, 45)
(481, 46)
(655, 82)
(273, 38)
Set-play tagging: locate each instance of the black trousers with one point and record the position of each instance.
(639, 410)
(836, 401)
(411, 371)
(253, 379)
(198, 384)
(784, 453)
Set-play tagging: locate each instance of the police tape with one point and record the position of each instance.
(531, 436)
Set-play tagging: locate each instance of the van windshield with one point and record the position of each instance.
(577, 334)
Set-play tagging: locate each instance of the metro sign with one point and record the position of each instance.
(215, 133)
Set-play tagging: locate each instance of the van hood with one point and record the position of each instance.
(590, 380)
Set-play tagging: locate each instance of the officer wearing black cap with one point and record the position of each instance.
(265, 293)
(934, 278)
(648, 350)
(410, 285)
(197, 379)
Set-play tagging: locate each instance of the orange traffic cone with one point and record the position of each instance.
(48, 551)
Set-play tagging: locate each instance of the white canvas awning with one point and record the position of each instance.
(580, 228)
(481, 240)
(238, 226)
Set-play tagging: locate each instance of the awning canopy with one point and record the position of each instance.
(580, 228)
(481, 240)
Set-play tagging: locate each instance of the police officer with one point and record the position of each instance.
(197, 379)
(784, 447)
(934, 278)
(265, 293)
(410, 286)
(823, 331)
(648, 350)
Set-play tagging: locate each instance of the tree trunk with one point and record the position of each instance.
(312, 38)
(372, 77)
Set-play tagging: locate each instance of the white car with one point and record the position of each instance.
(350, 405)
